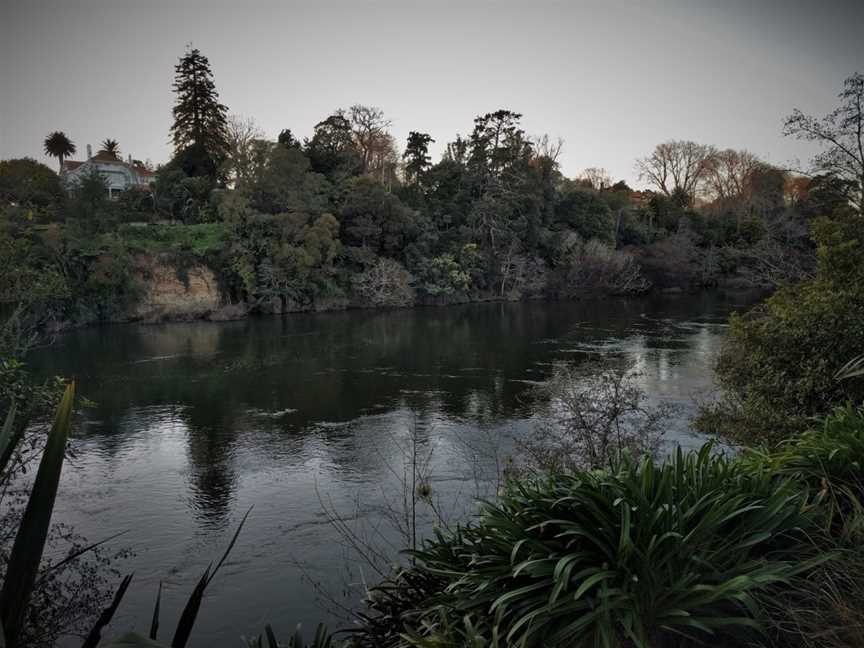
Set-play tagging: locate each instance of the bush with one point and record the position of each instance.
(778, 363)
(586, 213)
(106, 287)
(29, 269)
(646, 556)
(443, 275)
(598, 417)
(592, 267)
(829, 463)
(677, 261)
(386, 283)
(827, 609)
(28, 183)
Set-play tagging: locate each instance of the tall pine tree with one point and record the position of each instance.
(416, 156)
(199, 132)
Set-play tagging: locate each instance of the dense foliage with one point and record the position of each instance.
(25, 181)
(779, 362)
(696, 549)
(314, 224)
(827, 460)
(302, 227)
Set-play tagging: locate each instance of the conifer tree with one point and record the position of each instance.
(200, 130)
(416, 156)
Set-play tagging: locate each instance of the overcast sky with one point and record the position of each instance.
(612, 77)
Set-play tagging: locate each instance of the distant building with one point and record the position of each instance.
(640, 198)
(119, 175)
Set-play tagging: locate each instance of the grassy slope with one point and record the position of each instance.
(200, 239)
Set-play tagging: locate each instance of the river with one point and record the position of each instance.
(193, 423)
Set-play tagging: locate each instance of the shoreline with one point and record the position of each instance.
(250, 313)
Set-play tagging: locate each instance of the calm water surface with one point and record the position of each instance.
(194, 423)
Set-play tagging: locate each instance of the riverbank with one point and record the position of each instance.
(168, 291)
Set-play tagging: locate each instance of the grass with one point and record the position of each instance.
(829, 463)
(201, 238)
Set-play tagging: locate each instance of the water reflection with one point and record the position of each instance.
(195, 422)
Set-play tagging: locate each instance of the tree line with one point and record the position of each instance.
(344, 218)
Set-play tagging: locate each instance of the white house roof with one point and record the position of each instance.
(104, 157)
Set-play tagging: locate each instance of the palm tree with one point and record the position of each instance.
(111, 146)
(59, 146)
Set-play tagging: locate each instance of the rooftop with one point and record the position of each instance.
(107, 156)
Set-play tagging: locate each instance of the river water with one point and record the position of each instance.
(194, 423)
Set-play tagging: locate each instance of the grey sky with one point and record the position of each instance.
(612, 78)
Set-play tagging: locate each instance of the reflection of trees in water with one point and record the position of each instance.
(211, 437)
(377, 443)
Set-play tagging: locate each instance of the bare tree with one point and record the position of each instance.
(676, 167)
(387, 283)
(784, 254)
(597, 177)
(545, 147)
(592, 267)
(769, 262)
(384, 159)
(369, 127)
(242, 135)
(726, 174)
(511, 263)
(841, 132)
(598, 416)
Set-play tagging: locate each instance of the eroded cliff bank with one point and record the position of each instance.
(172, 292)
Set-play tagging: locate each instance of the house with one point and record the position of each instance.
(119, 175)
(641, 198)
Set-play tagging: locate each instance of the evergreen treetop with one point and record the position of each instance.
(199, 119)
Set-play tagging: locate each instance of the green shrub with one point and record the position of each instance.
(104, 284)
(829, 463)
(825, 610)
(653, 555)
(587, 214)
(402, 600)
(778, 363)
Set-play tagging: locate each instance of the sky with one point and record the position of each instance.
(613, 78)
